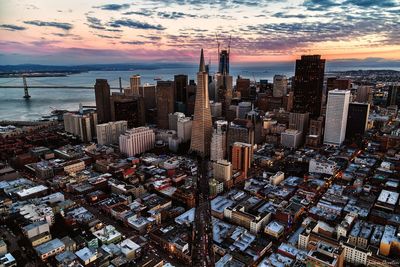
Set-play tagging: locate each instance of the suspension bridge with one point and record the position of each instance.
(46, 85)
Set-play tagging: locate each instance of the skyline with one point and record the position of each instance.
(76, 32)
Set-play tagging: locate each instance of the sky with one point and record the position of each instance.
(95, 31)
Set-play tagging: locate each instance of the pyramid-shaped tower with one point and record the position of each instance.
(202, 122)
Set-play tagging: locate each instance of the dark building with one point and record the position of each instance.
(308, 85)
(128, 108)
(102, 94)
(243, 86)
(165, 102)
(240, 130)
(180, 82)
(393, 98)
(357, 120)
(223, 66)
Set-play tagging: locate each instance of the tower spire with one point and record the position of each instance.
(202, 66)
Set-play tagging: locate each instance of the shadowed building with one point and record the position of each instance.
(357, 120)
(102, 94)
(165, 102)
(127, 108)
(308, 85)
(202, 123)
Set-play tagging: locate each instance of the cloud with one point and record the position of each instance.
(107, 36)
(135, 24)
(60, 25)
(288, 16)
(174, 15)
(372, 3)
(320, 5)
(133, 42)
(11, 27)
(113, 7)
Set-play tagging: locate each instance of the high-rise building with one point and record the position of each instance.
(102, 95)
(136, 141)
(336, 116)
(223, 87)
(81, 125)
(364, 94)
(242, 156)
(202, 123)
(243, 86)
(393, 98)
(291, 138)
(299, 121)
(173, 120)
(148, 93)
(308, 85)
(134, 85)
(165, 102)
(218, 140)
(315, 132)
(180, 82)
(255, 119)
(223, 66)
(243, 109)
(184, 128)
(222, 170)
(240, 131)
(216, 109)
(108, 133)
(280, 86)
(128, 108)
(357, 120)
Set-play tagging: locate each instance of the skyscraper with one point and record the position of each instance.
(165, 102)
(280, 86)
(218, 140)
(336, 116)
(102, 95)
(393, 98)
(242, 155)
(180, 82)
(357, 120)
(308, 85)
(364, 94)
(202, 123)
(129, 108)
(134, 85)
(108, 133)
(223, 66)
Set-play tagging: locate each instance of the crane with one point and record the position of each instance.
(26, 96)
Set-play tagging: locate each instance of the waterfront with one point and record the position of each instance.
(43, 101)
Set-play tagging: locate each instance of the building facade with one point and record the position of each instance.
(336, 117)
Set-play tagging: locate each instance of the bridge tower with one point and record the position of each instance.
(26, 96)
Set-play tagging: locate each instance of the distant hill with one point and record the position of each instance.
(89, 67)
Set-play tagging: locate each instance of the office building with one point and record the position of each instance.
(393, 98)
(102, 95)
(184, 128)
(336, 116)
(136, 141)
(223, 66)
(308, 85)
(242, 156)
(108, 133)
(364, 94)
(357, 120)
(240, 131)
(202, 123)
(299, 121)
(291, 138)
(173, 120)
(280, 86)
(216, 109)
(222, 170)
(81, 125)
(223, 87)
(134, 85)
(128, 108)
(243, 109)
(148, 93)
(243, 86)
(165, 102)
(180, 83)
(218, 140)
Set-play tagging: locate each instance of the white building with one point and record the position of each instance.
(173, 120)
(81, 125)
(222, 170)
(291, 138)
(277, 178)
(336, 116)
(355, 255)
(280, 86)
(218, 140)
(216, 109)
(108, 133)
(323, 166)
(136, 141)
(184, 126)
